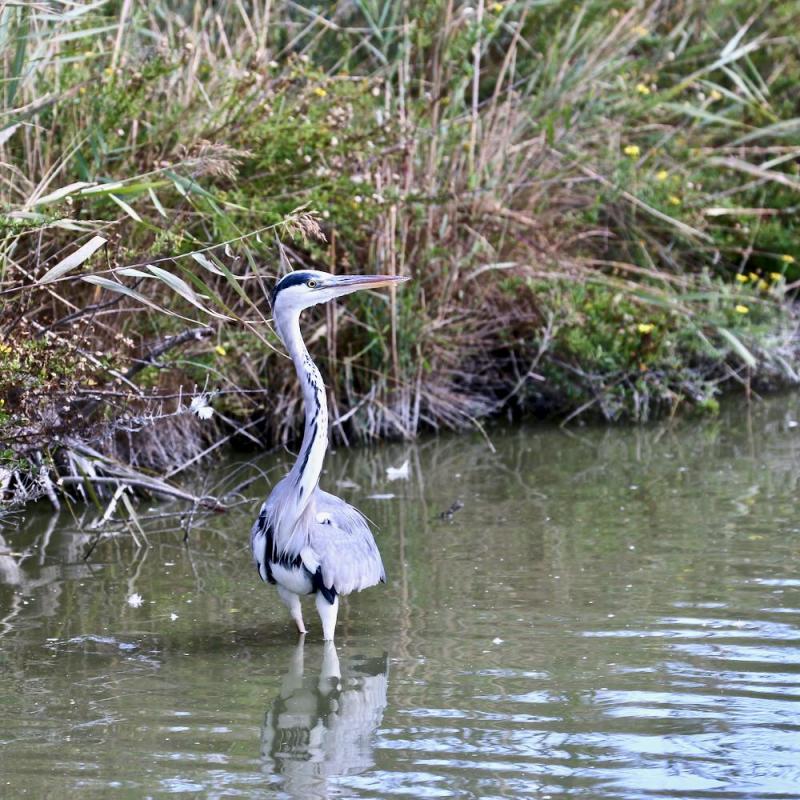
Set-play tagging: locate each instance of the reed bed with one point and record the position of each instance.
(597, 202)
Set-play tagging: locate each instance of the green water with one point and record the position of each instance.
(614, 613)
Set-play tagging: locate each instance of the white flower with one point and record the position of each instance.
(135, 600)
(200, 406)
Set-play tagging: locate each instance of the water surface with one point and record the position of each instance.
(614, 613)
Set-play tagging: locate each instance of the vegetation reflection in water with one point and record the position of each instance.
(613, 613)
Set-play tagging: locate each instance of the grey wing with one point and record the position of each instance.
(342, 547)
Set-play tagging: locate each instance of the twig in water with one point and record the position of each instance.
(153, 485)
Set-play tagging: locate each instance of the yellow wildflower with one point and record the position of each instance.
(645, 327)
(109, 71)
(763, 285)
(632, 150)
(4, 348)
(740, 309)
(642, 89)
(787, 259)
(220, 350)
(674, 200)
(715, 95)
(497, 8)
(776, 276)
(742, 278)
(662, 175)
(320, 92)
(640, 30)
(754, 277)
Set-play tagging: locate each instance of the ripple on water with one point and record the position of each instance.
(716, 714)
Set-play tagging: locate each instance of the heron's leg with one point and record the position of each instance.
(327, 614)
(292, 602)
(330, 675)
(330, 662)
(293, 679)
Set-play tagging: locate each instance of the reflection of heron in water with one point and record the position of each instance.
(321, 727)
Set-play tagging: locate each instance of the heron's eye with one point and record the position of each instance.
(312, 284)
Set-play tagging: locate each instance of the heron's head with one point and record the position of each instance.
(308, 287)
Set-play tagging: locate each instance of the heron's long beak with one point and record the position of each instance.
(344, 284)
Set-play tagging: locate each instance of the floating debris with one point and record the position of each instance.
(398, 473)
(457, 506)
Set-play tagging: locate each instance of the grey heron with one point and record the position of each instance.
(305, 540)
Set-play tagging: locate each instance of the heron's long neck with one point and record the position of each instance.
(304, 475)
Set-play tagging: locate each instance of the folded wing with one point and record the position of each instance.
(343, 546)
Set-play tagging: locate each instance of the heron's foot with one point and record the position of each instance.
(301, 628)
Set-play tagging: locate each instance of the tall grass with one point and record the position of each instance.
(597, 203)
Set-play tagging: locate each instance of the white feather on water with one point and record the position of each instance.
(400, 473)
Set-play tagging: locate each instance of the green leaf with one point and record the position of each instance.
(59, 194)
(102, 188)
(737, 346)
(179, 286)
(15, 75)
(132, 272)
(156, 202)
(209, 293)
(120, 288)
(74, 260)
(206, 263)
(126, 208)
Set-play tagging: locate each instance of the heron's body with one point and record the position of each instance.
(307, 541)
